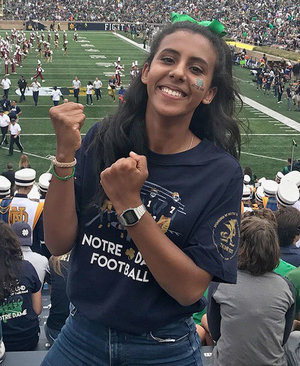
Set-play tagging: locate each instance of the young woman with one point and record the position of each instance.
(89, 92)
(251, 321)
(24, 162)
(20, 295)
(154, 215)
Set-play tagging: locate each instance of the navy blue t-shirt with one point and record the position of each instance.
(195, 198)
(19, 321)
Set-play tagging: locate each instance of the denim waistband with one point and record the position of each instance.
(97, 327)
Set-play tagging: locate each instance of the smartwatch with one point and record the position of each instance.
(131, 216)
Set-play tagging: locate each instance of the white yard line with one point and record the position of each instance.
(262, 156)
(138, 45)
(256, 118)
(279, 117)
(27, 153)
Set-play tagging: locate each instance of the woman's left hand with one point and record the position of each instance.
(123, 180)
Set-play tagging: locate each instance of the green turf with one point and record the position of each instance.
(35, 120)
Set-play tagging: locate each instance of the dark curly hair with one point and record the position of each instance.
(10, 260)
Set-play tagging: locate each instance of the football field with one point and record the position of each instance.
(265, 149)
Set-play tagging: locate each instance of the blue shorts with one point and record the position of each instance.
(82, 342)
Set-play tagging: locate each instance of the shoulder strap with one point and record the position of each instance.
(4, 209)
(38, 213)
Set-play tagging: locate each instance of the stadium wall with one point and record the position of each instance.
(10, 24)
(21, 24)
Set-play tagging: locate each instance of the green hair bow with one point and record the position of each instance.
(215, 26)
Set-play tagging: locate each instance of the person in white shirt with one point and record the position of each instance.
(89, 91)
(15, 131)
(6, 83)
(39, 262)
(35, 91)
(76, 87)
(4, 123)
(97, 85)
(56, 95)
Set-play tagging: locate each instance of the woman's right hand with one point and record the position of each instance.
(67, 120)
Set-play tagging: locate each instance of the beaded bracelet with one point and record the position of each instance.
(68, 177)
(62, 165)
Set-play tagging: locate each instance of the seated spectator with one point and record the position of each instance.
(265, 213)
(31, 211)
(270, 189)
(43, 185)
(5, 198)
(5, 189)
(246, 199)
(292, 347)
(39, 262)
(287, 194)
(294, 277)
(20, 295)
(10, 175)
(60, 302)
(288, 221)
(259, 197)
(24, 162)
(44, 182)
(251, 321)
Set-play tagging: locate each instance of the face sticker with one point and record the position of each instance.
(199, 84)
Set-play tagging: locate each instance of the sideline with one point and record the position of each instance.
(262, 156)
(138, 45)
(269, 112)
(27, 153)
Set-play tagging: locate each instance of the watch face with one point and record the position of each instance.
(130, 217)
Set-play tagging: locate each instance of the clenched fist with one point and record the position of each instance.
(123, 180)
(67, 121)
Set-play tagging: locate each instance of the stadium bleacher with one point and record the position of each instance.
(265, 23)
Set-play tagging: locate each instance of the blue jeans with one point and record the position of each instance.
(51, 334)
(89, 97)
(289, 103)
(82, 342)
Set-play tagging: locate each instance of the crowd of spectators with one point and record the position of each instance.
(265, 22)
(278, 78)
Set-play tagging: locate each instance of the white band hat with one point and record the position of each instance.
(25, 177)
